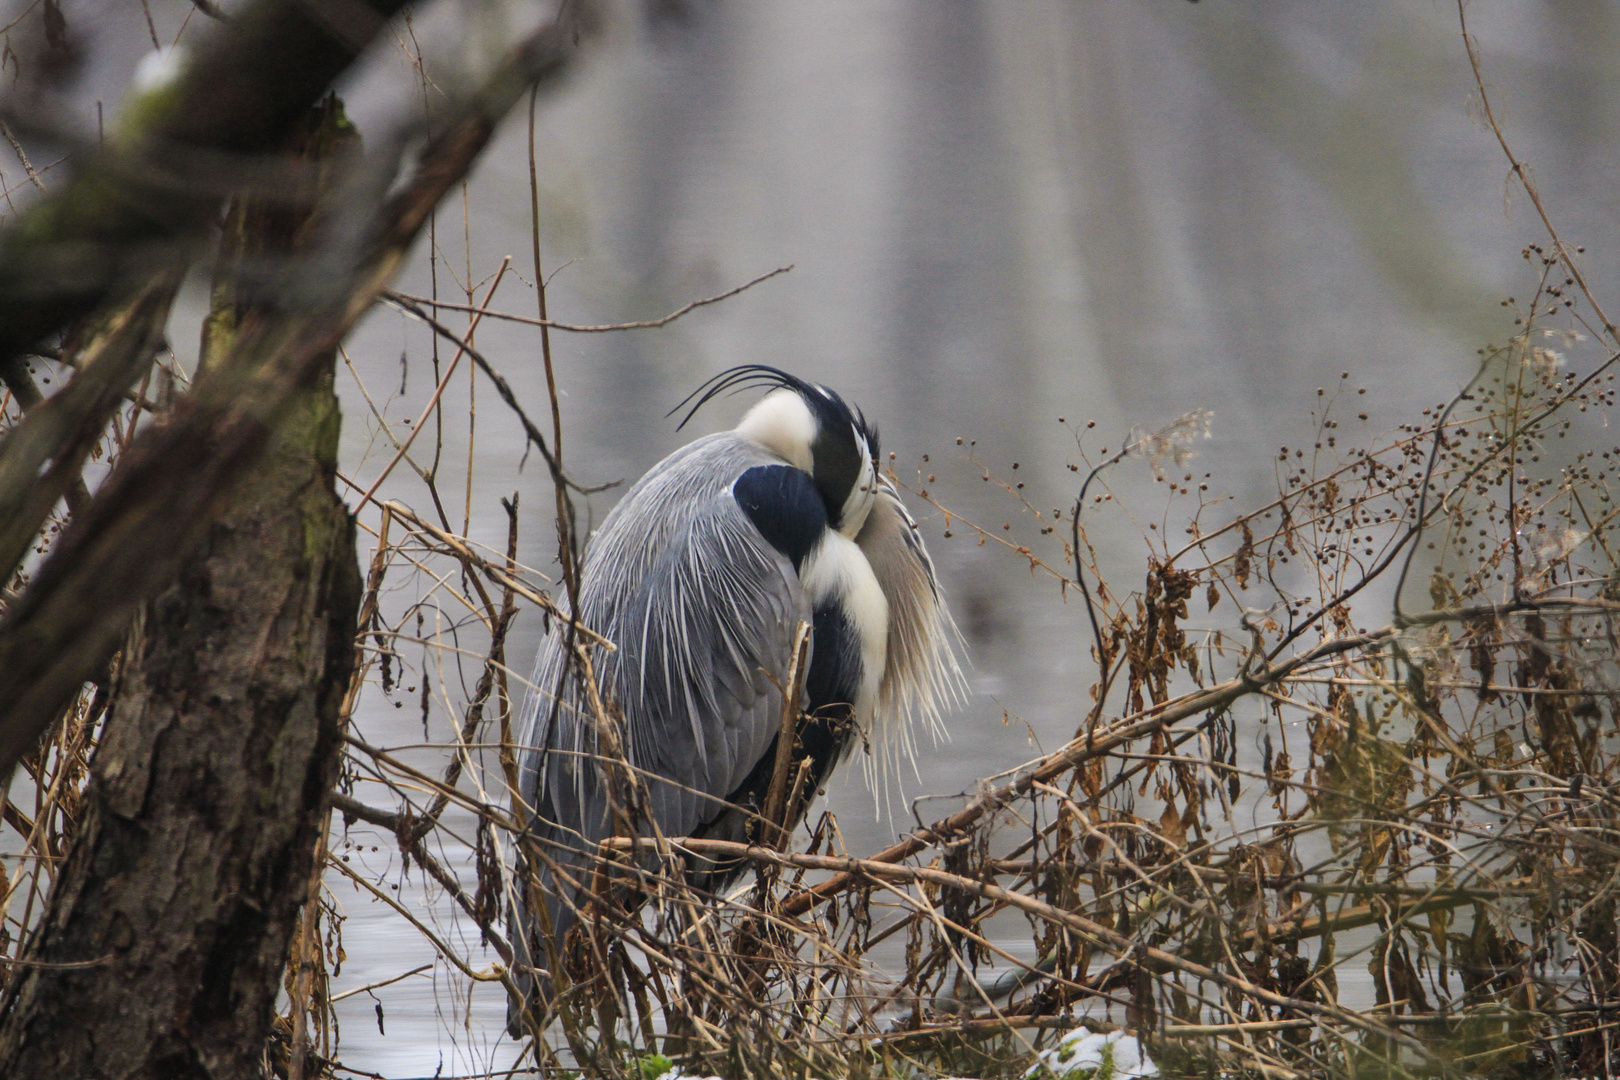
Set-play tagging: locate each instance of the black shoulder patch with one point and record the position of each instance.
(784, 506)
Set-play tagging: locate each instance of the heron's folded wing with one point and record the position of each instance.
(711, 634)
(702, 610)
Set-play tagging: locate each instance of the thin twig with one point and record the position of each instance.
(578, 328)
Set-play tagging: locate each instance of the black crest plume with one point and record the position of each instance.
(829, 407)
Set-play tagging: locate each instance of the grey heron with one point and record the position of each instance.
(700, 576)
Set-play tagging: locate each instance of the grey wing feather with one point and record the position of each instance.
(711, 631)
(702, 611)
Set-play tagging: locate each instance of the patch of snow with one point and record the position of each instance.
(159, 69)
(1083, 1055)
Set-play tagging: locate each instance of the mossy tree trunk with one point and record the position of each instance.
(167, 931)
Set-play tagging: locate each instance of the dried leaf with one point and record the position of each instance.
(1243, 563)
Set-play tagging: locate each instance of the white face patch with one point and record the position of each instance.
(784, 425)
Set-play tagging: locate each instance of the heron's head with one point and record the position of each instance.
(814, 429)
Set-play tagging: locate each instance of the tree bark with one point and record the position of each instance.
(161, 951)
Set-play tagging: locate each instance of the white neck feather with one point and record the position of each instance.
(837, 571)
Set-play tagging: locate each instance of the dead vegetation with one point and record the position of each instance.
(1344, 800)
(1279, 842)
